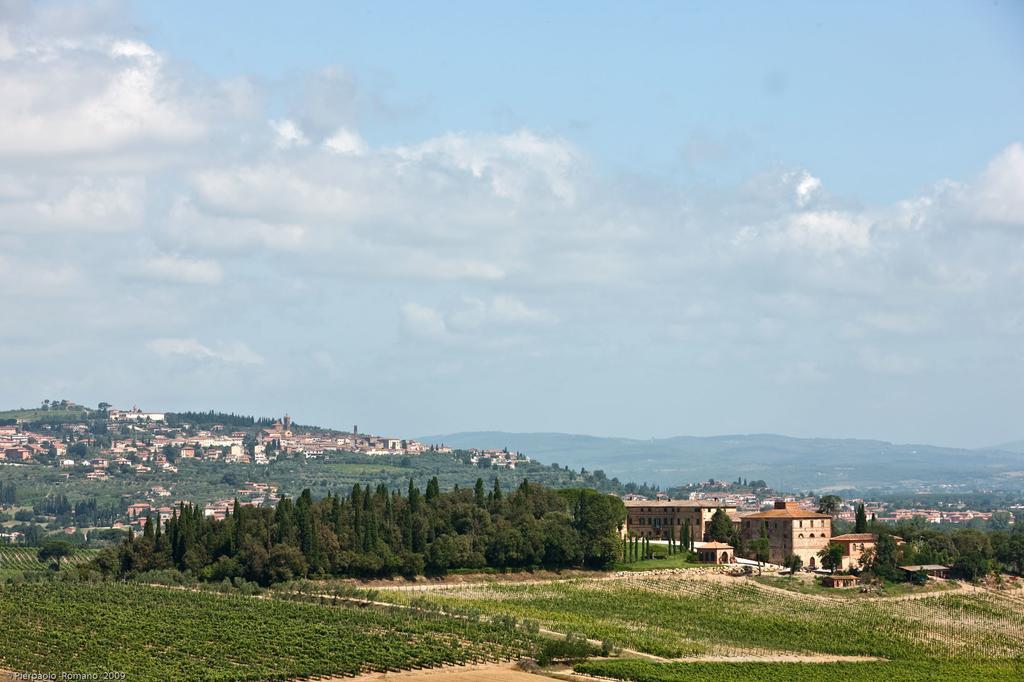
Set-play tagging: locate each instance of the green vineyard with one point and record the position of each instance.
(634, 670)
(21, 559)
(158, 633)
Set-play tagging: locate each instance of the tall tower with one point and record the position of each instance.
(287, 423)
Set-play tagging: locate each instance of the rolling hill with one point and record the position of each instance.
(782, 461)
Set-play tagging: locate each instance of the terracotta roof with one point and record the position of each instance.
(863, 537)
(787, 514)
(855, 537)
(709, 504)
(713, 545)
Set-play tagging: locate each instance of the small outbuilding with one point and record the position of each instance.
(839, 581)
(715, 553)
(930, 570)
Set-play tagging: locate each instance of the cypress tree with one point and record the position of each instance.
(478, 493)
(433, 490)
(861, 524)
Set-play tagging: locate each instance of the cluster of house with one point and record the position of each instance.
(18, 446)
(151, 443)
(250, 495)
(791, 527)
(497, 458)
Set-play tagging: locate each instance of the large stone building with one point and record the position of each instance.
(855, 545)
(662, 519)
(791, 530)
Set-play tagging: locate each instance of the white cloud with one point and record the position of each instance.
(806, 186)
(423, 321)
(345, 141)
(882, 362)
(236, 353)
(85, 204)
(513, 165)
(900, 323)
(182, 270)
(72, 97)
(999, 194)
(503, 311)
(827, 231)
(288, 134)
(500, 243)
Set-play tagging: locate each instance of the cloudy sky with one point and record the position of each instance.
(430, 217)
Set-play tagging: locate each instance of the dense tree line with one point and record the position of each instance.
(377, 532)
(971, 552)
(53, 505)
(206, 419)
(8, 494)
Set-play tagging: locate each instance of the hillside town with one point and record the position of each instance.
(147, 440)
(114, 441)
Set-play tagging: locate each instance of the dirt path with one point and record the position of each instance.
(959, 588)
(501, 672)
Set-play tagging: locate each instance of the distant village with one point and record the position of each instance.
(145, 441)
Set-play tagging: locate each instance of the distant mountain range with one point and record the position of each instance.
(783, 462)
(1012, 446)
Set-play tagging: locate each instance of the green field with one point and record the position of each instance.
(679, 616)
(16, 560)
(665, 561)
(154, 633)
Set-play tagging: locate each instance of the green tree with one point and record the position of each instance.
(886, 559)
(794, 563)
(761, 548)
(54, 551)
(831, 556)
(860, 525)
(829, 504)
(721, 527)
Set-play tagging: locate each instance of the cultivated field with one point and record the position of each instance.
(15, 560)
(154, 633)
(737, 628)
(666, 627)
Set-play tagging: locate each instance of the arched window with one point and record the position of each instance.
(801, 536)
(812, 535)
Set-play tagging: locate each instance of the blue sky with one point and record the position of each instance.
(933, 88)
(801, 218)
